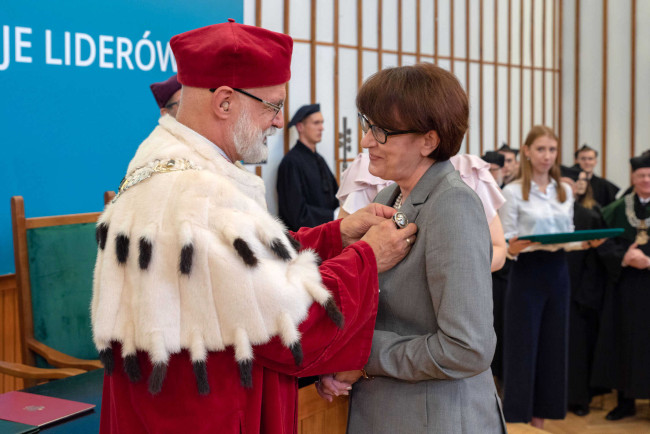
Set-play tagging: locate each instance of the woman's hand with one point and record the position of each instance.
(349, 377)
(596, 243)
(515, 245)
(328, 387)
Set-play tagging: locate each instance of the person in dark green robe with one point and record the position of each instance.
(622, 360)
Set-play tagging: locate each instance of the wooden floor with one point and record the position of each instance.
(595, 422)
(316, 416)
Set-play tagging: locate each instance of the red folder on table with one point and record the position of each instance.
(38, 410)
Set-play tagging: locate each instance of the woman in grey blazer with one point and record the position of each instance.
(429, 368)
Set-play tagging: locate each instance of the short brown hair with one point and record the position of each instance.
(421, 97)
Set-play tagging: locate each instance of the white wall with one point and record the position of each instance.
(495, 127)
(618, 84)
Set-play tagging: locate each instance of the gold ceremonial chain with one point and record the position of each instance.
(157, 166)
(641, 226)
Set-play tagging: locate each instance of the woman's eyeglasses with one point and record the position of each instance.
(380, 134)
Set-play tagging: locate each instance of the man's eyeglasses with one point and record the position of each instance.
(275, 107)
(380, 134)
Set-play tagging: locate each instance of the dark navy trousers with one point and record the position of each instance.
(536, 337)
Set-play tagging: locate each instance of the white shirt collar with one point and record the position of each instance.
(552, 184)
(642, 200)
(168, 119)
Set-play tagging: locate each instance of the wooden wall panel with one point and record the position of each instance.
(633, 78)
(315, 415)
(466, 35)
(603, 111)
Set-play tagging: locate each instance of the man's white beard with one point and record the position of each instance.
(249, 141)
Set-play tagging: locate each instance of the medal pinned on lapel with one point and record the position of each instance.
(400, 220)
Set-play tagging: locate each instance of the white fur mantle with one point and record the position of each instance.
(146, 300)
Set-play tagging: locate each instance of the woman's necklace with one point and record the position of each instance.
(640, 225)
(398, 202)
(399, 218)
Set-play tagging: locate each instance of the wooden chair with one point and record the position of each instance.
(55, 257)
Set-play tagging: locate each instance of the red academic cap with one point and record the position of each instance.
(232, 54)
(164, 90)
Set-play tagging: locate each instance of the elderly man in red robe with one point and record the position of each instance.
(205, 309)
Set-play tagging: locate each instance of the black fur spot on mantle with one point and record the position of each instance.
(132, 368)
(246, 373)
(122, 248)
(157, 377)
(187, 255)
(296, 350)
(294, 242)
(201, 375)
(280, 250)
(334, 313)
(106, 357)
(245, 252)
(100, 235)
(145, 253)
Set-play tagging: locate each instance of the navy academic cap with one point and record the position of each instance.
(640, 162)
(584, 147)
(506, 148)
(494, 157)
(303, 112)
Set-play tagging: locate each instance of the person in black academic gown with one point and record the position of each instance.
(586, 160)
(587, 278)
(306, 186)
(510, 167)
(622, 359)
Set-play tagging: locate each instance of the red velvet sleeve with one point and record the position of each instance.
(351, 277)
(324, 239)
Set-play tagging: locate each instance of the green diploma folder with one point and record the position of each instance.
(567, 237)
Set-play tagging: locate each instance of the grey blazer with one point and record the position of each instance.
(434, 337)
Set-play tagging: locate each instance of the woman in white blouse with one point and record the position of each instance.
(537, 298)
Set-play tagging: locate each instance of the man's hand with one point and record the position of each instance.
(355, 226)
(389, 244)
(634, 257)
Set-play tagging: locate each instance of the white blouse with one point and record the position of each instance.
(541, 214)
(359, 187)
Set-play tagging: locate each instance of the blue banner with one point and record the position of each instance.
(76, 103)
